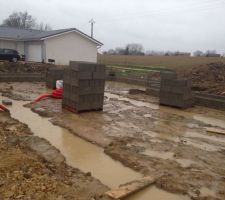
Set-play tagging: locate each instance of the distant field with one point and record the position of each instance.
(156, 62)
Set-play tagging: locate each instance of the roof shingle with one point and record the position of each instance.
(29, 35)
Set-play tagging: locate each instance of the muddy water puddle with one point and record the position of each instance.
(132, 101)
(153, 193)
(170, 156)
(163, 155)
(211, 137)
(78, 153)
(200, 117)
(204, 192)
(86, 156)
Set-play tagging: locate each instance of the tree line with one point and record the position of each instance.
(24, 20)
(129, 49)
(138, 50)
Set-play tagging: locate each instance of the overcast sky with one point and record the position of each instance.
(185, 25)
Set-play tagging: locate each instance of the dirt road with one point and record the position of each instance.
(171, 145)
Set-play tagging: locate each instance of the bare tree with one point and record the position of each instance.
(155, 53)
(134, 49)
(111, 52)
(24, 20)
(130, 49)
(119, 51)
(198, 53)
(20, 20)
(44, 27)
(210, 52)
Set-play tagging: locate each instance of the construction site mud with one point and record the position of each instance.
(182, 149)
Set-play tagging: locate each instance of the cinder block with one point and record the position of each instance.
(99, 75)
(100, 68)
(84, 86)
(174, 92)
(82, 66)
(52, 75)
(168, 75)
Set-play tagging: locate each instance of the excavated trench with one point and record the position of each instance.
(86, 156)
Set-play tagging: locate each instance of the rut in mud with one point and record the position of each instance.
(83, 155)
(31, 168)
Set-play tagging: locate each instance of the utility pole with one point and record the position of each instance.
(92, 21)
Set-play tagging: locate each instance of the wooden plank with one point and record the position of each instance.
(216, 130)
(130, 188)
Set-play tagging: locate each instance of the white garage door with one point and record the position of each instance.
(34, 53)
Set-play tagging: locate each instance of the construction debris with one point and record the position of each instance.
(130, 188)
(215, 130)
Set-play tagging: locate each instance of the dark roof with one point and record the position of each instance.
(30, 35)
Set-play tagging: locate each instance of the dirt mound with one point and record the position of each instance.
(22, 67)
(208, 78)
(214, 72)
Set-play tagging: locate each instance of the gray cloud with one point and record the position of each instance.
(158, 25)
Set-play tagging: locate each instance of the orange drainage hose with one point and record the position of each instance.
(42, 97)
(3, 108)
(56, 94)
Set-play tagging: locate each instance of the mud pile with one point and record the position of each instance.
(22, 67)
(208, 78)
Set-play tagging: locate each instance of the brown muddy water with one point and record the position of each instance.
(78, 153)
(86, 156)
(154, 193)
(132, 101)
(168, 156)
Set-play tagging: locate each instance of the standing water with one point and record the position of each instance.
(86, 156)
(78, 153)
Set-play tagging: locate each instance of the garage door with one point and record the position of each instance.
(34, 53)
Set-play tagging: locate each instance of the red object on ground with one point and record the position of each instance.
(56, 94)
(3, 108)
(44, 96)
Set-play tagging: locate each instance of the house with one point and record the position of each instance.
(59, 45)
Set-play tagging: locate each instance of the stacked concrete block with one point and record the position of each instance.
(210, 101)
(175, 92)
(152, 87)
(52, 75)
(84, 85)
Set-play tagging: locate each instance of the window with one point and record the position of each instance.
(1, 51)
(8, 51)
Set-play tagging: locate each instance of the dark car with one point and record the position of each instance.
(9, 54)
